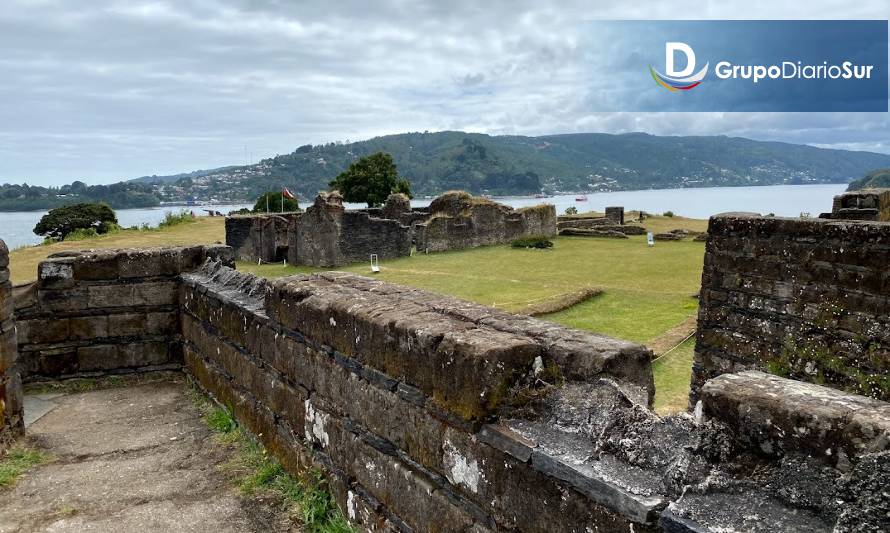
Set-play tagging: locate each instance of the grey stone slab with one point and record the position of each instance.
(36, 407)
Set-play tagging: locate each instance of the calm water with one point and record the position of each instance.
(782, 200)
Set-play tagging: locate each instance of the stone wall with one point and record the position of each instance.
(398, 207)
(615, 215)
(262, 237)
(11, 423)
(105, 311)
(868, 204)
(458, 220)
(328, 235)
(427, 413)
(805, 298)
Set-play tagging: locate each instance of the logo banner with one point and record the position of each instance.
(737, 65)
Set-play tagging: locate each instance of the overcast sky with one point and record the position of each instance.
(105, 90)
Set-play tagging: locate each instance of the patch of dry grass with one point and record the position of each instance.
(205, 230)
(560, 302)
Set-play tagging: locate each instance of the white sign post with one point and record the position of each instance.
(650, 239)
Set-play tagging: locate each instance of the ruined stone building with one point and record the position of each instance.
(327, 234)
(868, 204)
(260, 237)
(458, 221)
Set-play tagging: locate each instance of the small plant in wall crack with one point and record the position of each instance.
(255, 471)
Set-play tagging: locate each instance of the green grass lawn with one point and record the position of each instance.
(672, 374)
(647, 290)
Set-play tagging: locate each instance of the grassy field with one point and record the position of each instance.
(646, 291)
(204, 230)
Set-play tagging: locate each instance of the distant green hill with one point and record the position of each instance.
(435, 162)
(875, 179)
(121, 195)
(497, 165)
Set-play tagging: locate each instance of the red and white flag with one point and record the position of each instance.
(285, 192)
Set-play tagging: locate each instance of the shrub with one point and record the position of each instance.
(61, 221)
(174, 219)
(532, 242)
(571, 210)
(669, 213)
(82, 234)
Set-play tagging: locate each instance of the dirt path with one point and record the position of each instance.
(138, 458)
(673, 336)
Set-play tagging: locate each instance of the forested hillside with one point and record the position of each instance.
(877, 179)
(436, 162)
(484, 164)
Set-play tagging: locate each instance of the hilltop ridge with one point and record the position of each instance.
(487, 164)
(511, 164)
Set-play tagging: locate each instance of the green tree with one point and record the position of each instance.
(370, 180)
(274, 203)
(61, 221)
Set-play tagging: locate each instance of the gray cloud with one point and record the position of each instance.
(112, 89)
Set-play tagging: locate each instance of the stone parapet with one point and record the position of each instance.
(427, 413)
(101, 311)
(802, 298)
(867, 204)
(11, 415)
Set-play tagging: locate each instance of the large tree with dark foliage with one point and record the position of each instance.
(61, 221)
(272, 202)
(370, 180)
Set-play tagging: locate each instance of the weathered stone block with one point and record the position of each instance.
(62, 300)
(11, 402)
(51, 362)
(390, 478)
(97, 266)
(149, 263)
(43, 331)
(128, 324)
(156, 293)
(89, 327)
(463, 367)
(55, 270)
(775, 415)
(8, 350)
(119, 356)
(116, 295)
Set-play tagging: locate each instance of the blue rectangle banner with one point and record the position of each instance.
(737, 65)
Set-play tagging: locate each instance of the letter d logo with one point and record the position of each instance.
(670, 50)
(682, 80)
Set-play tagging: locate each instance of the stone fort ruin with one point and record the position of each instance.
(428, 413)
(327, 234)
(867, 204)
